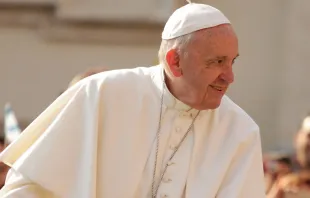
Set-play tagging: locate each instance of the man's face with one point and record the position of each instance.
(206, 66)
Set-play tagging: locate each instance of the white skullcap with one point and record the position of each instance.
(192, 17)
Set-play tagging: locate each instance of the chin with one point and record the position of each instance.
(214, 106)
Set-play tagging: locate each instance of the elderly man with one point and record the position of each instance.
(161, 131)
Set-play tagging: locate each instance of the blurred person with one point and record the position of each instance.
(161, 131)
(299, 177)
(295, 184)
(276, 167)
(302, 146)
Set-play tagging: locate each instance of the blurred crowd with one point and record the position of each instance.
(287, 175)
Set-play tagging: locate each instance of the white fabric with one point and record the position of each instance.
(18, 186)
(174, 181)
(94, 141)
(176, 120)
(192, 17)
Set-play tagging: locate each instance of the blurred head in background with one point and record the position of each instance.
(87, 73)
(302, 144)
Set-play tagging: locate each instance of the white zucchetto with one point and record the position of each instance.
(192, 17)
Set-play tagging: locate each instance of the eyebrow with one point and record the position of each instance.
(220, 57)
(224, 57)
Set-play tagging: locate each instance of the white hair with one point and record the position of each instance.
(178, 44)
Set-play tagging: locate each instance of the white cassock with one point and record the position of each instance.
(98, 139)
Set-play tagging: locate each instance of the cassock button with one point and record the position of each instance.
(164, 196)
(178, 129)
(182, 114)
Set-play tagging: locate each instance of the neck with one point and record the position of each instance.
(178, 91)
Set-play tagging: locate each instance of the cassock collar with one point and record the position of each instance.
(169, 100)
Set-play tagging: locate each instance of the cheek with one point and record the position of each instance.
(199, 80)
(211, 77)
(200, 86)
(195, 85)
(203, 79)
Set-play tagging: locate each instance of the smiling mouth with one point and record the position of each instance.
(217, 88)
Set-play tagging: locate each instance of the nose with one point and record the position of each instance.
(228, 75)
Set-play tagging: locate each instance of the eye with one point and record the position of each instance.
(215, 63)
(220, 61)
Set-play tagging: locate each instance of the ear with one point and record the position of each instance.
(172, 58)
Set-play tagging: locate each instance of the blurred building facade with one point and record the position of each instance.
(44, 43)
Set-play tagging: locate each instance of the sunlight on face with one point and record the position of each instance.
(206, 66)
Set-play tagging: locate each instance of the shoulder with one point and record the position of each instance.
(239, 120)
(122, 78)
(231, 110)
(121, 75)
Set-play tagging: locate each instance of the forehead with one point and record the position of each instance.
(220, 41)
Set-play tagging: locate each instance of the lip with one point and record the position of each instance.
(218, 88)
